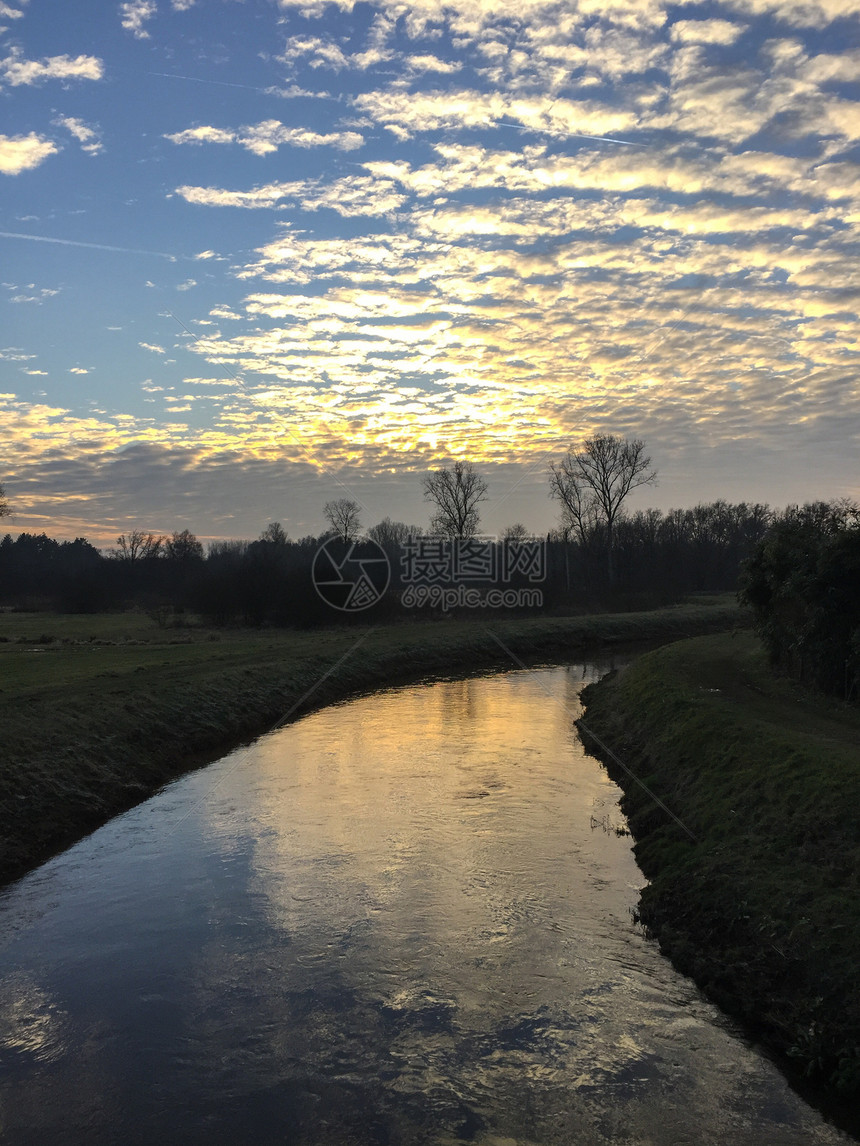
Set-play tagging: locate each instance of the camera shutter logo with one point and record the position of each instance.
(350, 576)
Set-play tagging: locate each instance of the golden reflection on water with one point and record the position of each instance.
(398, 920)
(461, 809)
(31, 1022)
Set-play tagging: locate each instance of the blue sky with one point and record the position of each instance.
(256, 255)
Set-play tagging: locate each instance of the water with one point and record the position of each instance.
(406, 919)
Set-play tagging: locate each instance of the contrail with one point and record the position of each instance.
(570, 134)
(270, 90)
(90, 246)
(204, 80)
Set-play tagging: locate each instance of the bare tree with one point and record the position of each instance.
(136, 546)
(4, 504)
(515, 532)
(593, 483)
(389, 534)
(342, 516)
(184, 547)
(456, 492)
(578, 508)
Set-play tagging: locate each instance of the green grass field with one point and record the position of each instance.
(98, 712)
(763, 909)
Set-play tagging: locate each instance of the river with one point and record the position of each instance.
(402, 919)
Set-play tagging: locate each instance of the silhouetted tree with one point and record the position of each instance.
(515, 532)
(456, 492)
(391, 534)
(593, 483)
(4, 504)
(274, 534)
(183, 547)
(342, 516)
(801, 583)
(136, 546)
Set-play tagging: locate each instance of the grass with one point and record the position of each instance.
(762, 909)
(97, 712)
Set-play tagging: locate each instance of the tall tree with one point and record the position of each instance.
(274, 534)
(342, 516)
(593, 483)
(456, 493)
(137, 546)
(183, 547)
(4, 504)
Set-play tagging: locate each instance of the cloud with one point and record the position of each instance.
(266, 137)
(38, 298)
(202, 135)
(406, 114)
(419, 64)
(88, 137)
(78, 370)
(706, 31)
(267, 196)
(294, 91)
(9, 13)
(134, 15)
(24, 152)
(350, 196)
(15, 70)
(799, 13)
(503, 273)
(316, 52)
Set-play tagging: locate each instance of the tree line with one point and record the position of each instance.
(799, 568)
(599, 556)
(803, 585)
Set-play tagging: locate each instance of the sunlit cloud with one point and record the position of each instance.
(88, 137)
(266, 137)
(406, 114)
(354, 195)
(135, 14)
(24, 152)
(481, 231)
(15, 70)
(706, 31)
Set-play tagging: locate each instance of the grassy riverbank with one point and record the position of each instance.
(762, 909)
(98, 712)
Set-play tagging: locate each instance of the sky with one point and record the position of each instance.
(259, 254)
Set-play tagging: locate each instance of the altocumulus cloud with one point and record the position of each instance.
(481, 230)
(266, 137)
